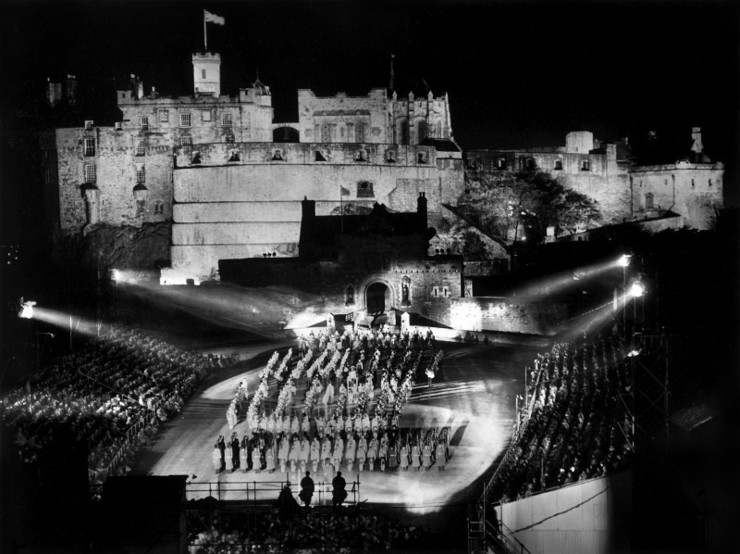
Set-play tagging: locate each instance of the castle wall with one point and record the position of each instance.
(118, 156)
(508, 315)
(691, 190)
(252, 206)
(344, 119)
(247, 118)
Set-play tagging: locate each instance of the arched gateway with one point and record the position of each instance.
(377, 298)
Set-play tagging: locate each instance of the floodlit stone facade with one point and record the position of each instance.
(243, 200)
(625, 191)
(106, 175)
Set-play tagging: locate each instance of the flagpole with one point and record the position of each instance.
(205, 33)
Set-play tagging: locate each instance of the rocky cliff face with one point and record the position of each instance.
(145, 248)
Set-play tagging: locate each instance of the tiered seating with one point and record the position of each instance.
(579, 427)
(110, 394)
(328, 533)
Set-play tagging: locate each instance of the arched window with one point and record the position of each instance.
(361, 155)
(421, 158)
(277, 155)
(558, 164)
(649, 201)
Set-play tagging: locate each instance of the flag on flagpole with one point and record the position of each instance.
(213, 18)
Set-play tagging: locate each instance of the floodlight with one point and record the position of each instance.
(624, 260)
(637, 289)
(633, 353)
(26, 311)
(115, 275)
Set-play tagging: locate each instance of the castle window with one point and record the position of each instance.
(390, 156)
(144, 122)
(89, 147)
(501, 163)
(421, 157)
(693, 184)
(277, 155)
(186, 140)
(445, 292)
(229, 138)
(585, 165)
(365, 190)
(435, 292)
(349, 295)
(158, 207)
(164, 116)
(89, 170)
(360, 132)
(234, 156)
(361, 155)
(558, 165)
(202, 73)
(226, 120)
(140, 175)
(140, 148)
(649, 201)
(196, 158)
(710, 182)
(421, 131)
(206, 116)
(184, 120)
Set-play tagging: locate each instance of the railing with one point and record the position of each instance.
(263, 493)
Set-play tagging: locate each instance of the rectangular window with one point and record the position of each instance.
(205, 116)
(140, 175)
(446, 292)
(158, 208)
(140, 148)
(164, 116)
(89, 173)
(187, 140)
(226, 120)
(89, 147)
(435, 292)
(184, 120)
(144, 122)
(202, 73)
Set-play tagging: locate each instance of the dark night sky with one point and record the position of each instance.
(518, 73)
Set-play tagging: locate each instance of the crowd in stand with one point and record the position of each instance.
(363, 380)
(111, 394)
(578, 427)
(268, 533)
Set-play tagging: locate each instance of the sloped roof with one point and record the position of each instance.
(442, 145)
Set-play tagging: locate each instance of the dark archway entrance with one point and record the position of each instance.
(375, 298)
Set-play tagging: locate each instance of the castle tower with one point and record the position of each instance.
(207, 73)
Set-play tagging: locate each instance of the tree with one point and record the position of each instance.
(521, 206)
